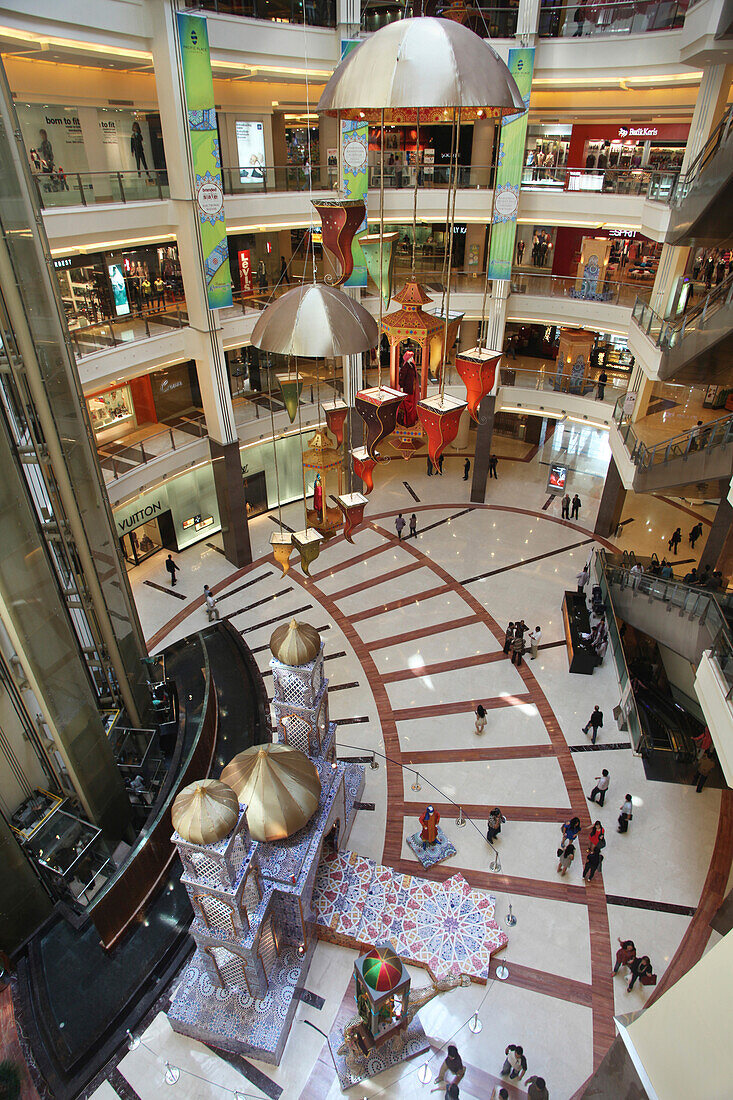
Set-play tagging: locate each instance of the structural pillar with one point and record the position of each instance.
(612, 503)
(482, 148)
(718, 549)
(484, 437)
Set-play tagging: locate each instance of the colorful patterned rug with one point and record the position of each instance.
(446, 927)
(433, 853)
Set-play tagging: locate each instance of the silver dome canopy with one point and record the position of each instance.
(315, 320)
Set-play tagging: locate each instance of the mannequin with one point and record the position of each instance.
(318, 502)
(407, 414)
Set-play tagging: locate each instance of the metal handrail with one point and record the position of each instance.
(667, 333)
(111, 187)
(717, 138)
(610, 18)
(715, 433)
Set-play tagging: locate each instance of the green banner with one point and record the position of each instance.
(355, 185)
(509, 171)
(203, 135)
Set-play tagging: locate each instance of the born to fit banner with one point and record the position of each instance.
(203, 135)
(509, 171)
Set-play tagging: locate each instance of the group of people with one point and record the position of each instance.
(571, 831)
(705, 578)
(514, 643)
(400, 526)
(639, 967)
(712, 266)
(453, 1070)
(570, 508)
(541, 247)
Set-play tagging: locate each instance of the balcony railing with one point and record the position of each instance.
(716, 433)
(547, 381)
(488, 21)
(112, 334)
(88, 188)
(561, 286)
(317, 13)
(669, 333)
(579, 20)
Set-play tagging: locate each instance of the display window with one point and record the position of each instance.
(141, 543)
(112, 408)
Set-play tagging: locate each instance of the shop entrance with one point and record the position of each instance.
(255, 493)
(147, 539)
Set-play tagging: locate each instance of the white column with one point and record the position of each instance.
(481, 149)
(528, 18)
(711, 101)
(672, 264)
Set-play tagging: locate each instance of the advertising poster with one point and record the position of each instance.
(557, 478)
(245, 272)
(250, 151)
(509, 171)
(203, 136)
(354, 185)
(119, 290)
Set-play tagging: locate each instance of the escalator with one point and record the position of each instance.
(702, 202)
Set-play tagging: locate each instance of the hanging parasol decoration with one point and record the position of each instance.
(378, 408)
(282, 547)
(440, 416)
(381, 969)
(279, 786)
(352, 506)
(477, 368)
(336, 412)
(315, 321)
(364, 467)
(308, 544)
(380, 273)
(340, 219)
(290, 391)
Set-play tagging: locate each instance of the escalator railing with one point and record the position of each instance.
(720, 136)
(716, 433)
(667, 334)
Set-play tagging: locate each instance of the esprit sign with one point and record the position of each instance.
(638, 131)
(136, 518)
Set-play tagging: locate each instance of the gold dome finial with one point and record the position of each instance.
(295, 644)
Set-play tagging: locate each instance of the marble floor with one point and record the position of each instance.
(418, 628)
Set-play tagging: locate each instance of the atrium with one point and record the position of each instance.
(366, 550)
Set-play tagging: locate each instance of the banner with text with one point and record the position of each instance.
(203, 135)
(354, 185)
(509, 171)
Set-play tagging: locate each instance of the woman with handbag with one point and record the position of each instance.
(570, 831)
(480, 719)
(641, 969)
(495, 822)
(565, 857)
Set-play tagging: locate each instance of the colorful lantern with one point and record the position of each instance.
(336, 412)
(378, 409)
(380, 272)
(308, 545)
(408, 441)
(291, 388)
(322, 465)
(440, 416)
(477, 368)
(282, 547)
(364, 467)
(411, 322)
(437, 356)
(340, 219)
(352, 505)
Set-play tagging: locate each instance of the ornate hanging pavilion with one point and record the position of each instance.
(322, 467)
(410, 331)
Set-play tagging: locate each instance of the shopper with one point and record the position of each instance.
(695, 534)
(537, 1089)
(675, 541)
(452, 1092)
(440, 464)
(602, 379)
(643, 970)
(626, 814)
(625, 955)
(466, 469)
(172, 569)
(452, 1067)
(593, 861)
(399, 526)
(576, 506)
(508, 638)
(595, 721)
(600, 788)
(517, 648)
(499, 1093)
(284, 277)
(705, 765)
(534, 642)
(597, 836)
(211, 609)
(565, 857)
(480, 719)
(492, 466)
(579, 18)
(494, 824)
(515, 1064)
(430, 466)
(413, 526)
(570, 831)
(583, 577)
(565, 511)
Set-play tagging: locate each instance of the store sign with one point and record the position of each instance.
(630, 233)
(203, 136)
(512, 140)
(66, 261)
(354, 185)
(142, 515)
(245, 272)
(638, 131)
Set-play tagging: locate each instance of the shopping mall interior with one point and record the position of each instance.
(366, 569)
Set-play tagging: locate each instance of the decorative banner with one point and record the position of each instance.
(364, 467)
(340, 220)
(203, 135)
(336, 412)
(308, 545)
(352, 505)
(437, 357)
(380, 274)
(440, 417)
(290, 390)
(477, 369)
(354, 185)
(509, 171)
(246, 283)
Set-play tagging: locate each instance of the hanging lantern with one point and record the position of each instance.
(438, 357)
(336, 412)
(477, 368)
(322, 465)
(291, 388)
(411, 322)
(308, 545)
(282, 547)
(352, 505)
(440, 416)
(364, 467)
(380, 272)
(378, 409)
(408, 441)
(340, 219)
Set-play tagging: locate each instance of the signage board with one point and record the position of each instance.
(557, 478)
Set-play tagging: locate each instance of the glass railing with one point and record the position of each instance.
(579, 20)
(667, 334)
(628, 700)
(88, 188)
(716, 433)
(547, 380)
(719, 136)
(561, 286)
(492, 21)
(656, 183)
(299, 177)
(316, 13)
(88, 339)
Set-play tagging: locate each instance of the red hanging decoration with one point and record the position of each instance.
(340, 219)
(336, 412)
(364, 467)
(378, 408)
(439, 416)
(477, 368)
(352, 506)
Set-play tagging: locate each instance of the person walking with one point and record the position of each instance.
(492, 466)
(675, 541)
(466, 469)
(399, 526)
(172, 569)
(565, 511)
(480, 719)
(517, 648)
(593, 861)
(600, 788)
(534, 642)
(626, 814)
(705, 765)
(440, 464)
(641, 969)
(211, 609)
(413, 526)
(537, 1089)
(499, 1093)
(515, 1064)
(625, 955)
(596, 721)
(602, 379)
(695, 534)
(430, 466)
(452, 1067)
(565, 857)
(284, 277)
(570, 831)
(583, 578)
(494, 824)
(508, 638)
(576, 506)
(597, 836)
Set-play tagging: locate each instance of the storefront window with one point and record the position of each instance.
(141, 543)
(111, 408)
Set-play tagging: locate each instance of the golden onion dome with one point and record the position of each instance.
(295, 643)
(205, 811)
